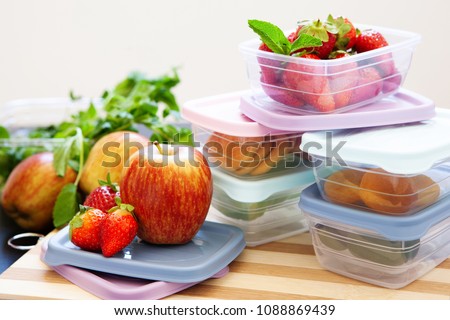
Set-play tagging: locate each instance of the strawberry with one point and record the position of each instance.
(283, 95)
(309, 83)
(369, 40)
(118, 230)
(326, 32)
(343, 79)
(103, 197)
(346, 35)
(85, 227)
(269, 68)
(369, 85)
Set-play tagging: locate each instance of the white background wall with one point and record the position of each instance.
(48, 47)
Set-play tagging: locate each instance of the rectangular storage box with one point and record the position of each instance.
(266, 210)
(394, 170)
(237, 145)
(387, 251)
(20, 117)
(301, 85)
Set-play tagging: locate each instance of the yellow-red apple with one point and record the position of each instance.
(170, 188)
(31, 190)
(110, 154)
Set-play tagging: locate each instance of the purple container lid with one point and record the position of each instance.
(115, 287)
(403, 107)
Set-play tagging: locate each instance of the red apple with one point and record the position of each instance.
(170, 188)
(109, 155)
(31, 190)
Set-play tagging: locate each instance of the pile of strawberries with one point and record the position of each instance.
(103, 222)
(328, 86)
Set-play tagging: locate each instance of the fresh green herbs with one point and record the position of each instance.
(276, 40)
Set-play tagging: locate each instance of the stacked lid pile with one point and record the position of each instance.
(381, 154)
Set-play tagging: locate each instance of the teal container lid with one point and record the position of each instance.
(256, 190)
(394, 228)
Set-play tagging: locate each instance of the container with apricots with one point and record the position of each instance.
(393, 170)
(237, 145)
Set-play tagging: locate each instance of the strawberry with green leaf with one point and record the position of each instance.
(85, 228)
(104, 196)
(324, 31)
(118, 230)
(346, 33)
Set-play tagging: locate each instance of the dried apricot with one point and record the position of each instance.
(396, 195)
(343, 186)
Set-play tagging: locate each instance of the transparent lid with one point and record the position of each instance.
(401, 149)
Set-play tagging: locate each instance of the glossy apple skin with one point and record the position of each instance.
(31, 190)
(171, 194)
(109, 154)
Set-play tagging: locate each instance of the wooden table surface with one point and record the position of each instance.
(285, 269)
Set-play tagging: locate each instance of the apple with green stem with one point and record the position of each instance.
(170, 188)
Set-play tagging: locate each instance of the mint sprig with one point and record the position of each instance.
(276, 40)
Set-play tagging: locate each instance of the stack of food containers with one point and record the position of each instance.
(258, 172)
(378, 211)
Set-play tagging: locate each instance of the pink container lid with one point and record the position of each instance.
(116, 287)
(403, 107)
(221, 113)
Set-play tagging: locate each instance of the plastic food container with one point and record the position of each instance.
(236, 144)
(387, 251)
(266, 209)
(393, 170)
(302, 85)
(19, 117)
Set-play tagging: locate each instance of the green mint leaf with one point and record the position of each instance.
(4, 134)
(271, 35)
(305, 41)
(66, 206)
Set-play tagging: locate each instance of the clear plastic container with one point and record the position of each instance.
(397, 170)
(301, 85)
(236, 144)
(266, 210)
(387, 251)
(19, 117)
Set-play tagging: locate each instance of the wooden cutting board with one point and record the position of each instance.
(285, 269)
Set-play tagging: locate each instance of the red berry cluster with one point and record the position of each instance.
(103, 222)
(329, 87)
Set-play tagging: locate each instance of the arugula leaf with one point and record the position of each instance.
(66, 206)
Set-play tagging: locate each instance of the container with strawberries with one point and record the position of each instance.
(326, 66)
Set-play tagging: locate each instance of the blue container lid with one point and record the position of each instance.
(391, 227)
